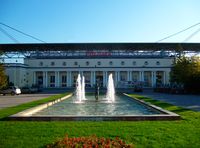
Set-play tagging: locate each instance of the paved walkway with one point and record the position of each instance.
(187, 101)
(8, 100)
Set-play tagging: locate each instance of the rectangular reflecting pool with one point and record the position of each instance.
(123, 108)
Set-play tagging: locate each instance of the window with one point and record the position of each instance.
(122, 63)
(87, 63)
(146, 63)
(64, 79)
(134, 62)
(111, 63)
(98, 63)
(75, 63)
(157, 63)
(41, 63)
(52, 79)
(64, 63)
(52, 63)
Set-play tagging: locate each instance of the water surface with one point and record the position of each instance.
(123, 105)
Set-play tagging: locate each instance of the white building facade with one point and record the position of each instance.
(63, 72)
(57, 65)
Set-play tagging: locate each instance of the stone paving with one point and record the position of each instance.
(9, 101)
(187, 101)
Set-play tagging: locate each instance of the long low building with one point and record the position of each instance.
(60, 68)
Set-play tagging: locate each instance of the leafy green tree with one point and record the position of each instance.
(3, 77)
(186, 71)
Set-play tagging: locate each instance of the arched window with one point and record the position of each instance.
(98, 63)
(146, 63)
(122, 63)
(111, 63)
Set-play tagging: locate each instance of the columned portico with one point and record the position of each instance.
(60, 79)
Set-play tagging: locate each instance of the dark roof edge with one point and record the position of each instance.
(100, 46)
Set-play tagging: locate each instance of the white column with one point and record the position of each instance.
(44, 79)
(152, 78)
(58, 79)
(140, 75)
(130, 76)
(91, 78)
(45, 76)
(106, 78)
(69, 79)
(81, 73)
(127, 73)
(164, 77)
(94, 77)
(34, 77)
(118, 76)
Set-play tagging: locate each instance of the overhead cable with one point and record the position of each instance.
(178, 32)
(23, 33)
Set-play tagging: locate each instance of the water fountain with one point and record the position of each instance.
(110, 95)
(124, 108)
(80, 89)
(83, 88)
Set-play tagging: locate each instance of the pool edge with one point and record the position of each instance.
(26, 115)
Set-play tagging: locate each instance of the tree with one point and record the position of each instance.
(186, 71)
(3, 77)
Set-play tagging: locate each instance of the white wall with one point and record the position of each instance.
(164, 62)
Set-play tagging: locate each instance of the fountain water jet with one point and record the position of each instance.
(110, 95)
(78, 89)
(83, 88)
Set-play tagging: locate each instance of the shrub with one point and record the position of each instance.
(89, 142)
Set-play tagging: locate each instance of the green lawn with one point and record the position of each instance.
(182, 133)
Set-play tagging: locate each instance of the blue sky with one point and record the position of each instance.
(58, 21)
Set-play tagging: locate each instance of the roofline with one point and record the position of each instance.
(100, 46)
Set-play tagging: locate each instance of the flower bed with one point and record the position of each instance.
(89, 142)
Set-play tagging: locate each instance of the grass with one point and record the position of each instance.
(182, 133)
(12, 110)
